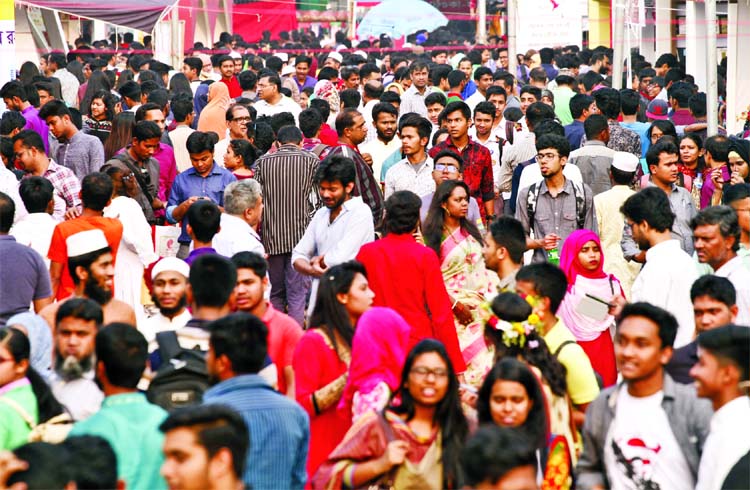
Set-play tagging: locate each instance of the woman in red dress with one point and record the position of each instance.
(321, 359)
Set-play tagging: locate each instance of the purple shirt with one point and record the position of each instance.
(167, 173)
(193, 256)
(23, 278)
(708, 185)
(36, 123)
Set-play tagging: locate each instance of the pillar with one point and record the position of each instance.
(738, 70)
(695, 41)
(599, 23)
(663, 30)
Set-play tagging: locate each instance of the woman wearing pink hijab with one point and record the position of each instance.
(584, 309)
(214, 116)
(379, 349)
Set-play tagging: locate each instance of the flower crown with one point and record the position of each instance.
(514, 333)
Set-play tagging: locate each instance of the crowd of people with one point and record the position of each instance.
(370, 269)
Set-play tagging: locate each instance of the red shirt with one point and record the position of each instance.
(234, 87)
(477, 169)
(405, 275)
(283, 335)
(328, 136)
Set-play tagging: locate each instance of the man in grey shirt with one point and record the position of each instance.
(555, 207)
(80, 152)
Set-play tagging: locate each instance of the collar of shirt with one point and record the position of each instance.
(237, 224)
(594, 143)
(413, 91)
(215, 170)
(270, 313)
(124, 399)
(14, 384)
(452, 146)
(567, 187)
(52, 168)
(242, 382)
(7, 238)
(733, 413)
(341, 143)
(29, 110)
(662, 251)
(730, 266)
(180, 319)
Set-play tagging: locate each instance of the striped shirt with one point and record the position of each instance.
(290, 196)
(83, 154)
(279, 431)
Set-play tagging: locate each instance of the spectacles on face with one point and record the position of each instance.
(261, 86)
(425, 372)
(440, 167)
(546, 156)
(128, 177)
(241, 119)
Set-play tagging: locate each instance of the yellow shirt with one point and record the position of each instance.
(580, 378)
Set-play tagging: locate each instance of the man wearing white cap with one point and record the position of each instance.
(170, 277)
(610, 220)
(334, 60)
(92, 268)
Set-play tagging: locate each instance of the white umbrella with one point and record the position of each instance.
(399, 18)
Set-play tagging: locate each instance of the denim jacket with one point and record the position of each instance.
(689, 418)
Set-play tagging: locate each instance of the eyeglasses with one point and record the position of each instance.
(424, 373)
(241, 119)
(546, 156)
(439, 167)
(262, 85)
(128, 177)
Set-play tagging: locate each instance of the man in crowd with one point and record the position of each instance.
(648, 430)
(302, 65)
(182, 110)
(620, 138)
(714, 304)
(191, 68)
(272, 101)
(126, 420)
(283, 332)
(384, 118)
(484, 80)
(72, 381)
(716, 234)
(279, 427)
(203, 222)
(413, 99)
(738, 198)
(339, 229)
(80, 152)
(243, 208)
(226, 68)
(14, 96)
(205, 180)
(289, 197)
(238, 118)
(581, 107)
(593, 158)
(477, 160)
(163, 154)
(57, 68)
(414, 172)
(205, 448)
(169, 285)
(669, 272)
(36, 228)
(23, 274)
(503, 250)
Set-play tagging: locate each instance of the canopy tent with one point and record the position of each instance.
(133, 14)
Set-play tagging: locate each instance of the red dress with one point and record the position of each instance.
(316, 364)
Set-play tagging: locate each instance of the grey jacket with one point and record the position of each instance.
(689, 417)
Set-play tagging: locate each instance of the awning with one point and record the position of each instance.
(134, 14)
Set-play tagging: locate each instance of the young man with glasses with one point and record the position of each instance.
(272, 101)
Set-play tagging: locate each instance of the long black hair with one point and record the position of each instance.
(512, 308)
(247, 151)
(329, 314)
(19, 347)
(511, 369)
(433, 225)
(448, 413)
(98, 82)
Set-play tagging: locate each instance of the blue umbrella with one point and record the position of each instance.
(399, 18)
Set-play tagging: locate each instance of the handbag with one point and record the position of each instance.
(53, 431)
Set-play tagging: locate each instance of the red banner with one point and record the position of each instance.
(251, 19)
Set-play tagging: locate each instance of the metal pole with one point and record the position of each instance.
(712, 96)
(512, 13)
(618, 19)
(482, 22)
(351, 6)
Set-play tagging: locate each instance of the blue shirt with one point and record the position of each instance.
(574, 133)
(189, 183)
(279, 431)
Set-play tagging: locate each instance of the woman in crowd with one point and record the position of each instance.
(692, 164)
(326, 90)
(213, 116)
(582, 261)
(240, 159)
(343, 296)
(511, 328)
(414, 443)
(458, 244)
(401, 81)
(304, 97)
(25, 398)
(661, 128)
(379, 349)
(27, 72)
(179, 84)
(739, 160)
(136, 250)
(98, 82)
(121, 135)
(100, 114)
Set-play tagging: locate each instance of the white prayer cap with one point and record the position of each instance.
(170, 264)
(283, 56)
(288, 70)
(336, 56)
(625, 161)
(85, 242)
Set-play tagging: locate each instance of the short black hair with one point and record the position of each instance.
(485, 107)
(608, 101)
(718, 147)
(7, 212)
(48, 466)
(36, 193)
(729, 343)
(554, 141)
(384, 107)
(530, 89)
(181, 107)
(216, 427)
(194, 63)
(322, 106)
(251, 260)
(199, 141)
(723, 216)
(212, 280)
(630, 100)
(715, 287)
(421, 124)
(494, 451)
(140, 113)
(664, 320)
(336, 168)
(10, 121)
(650, 205)
(450, 154)
(14, 88)
(735, 192)
(289, 134)
(124, 351)
(373, 89)
(243, 339)
(548, 281)
(458, 106)
(697, 104)
(662, 146)
(455, 77)
(508, 232)
(538, 112)
(93, 462)
(402, 212)
(310, 122)
(146, 130)
(248, 80)
(438, 73)
(391, 97)
(82, 309)
(579, 103)
(435, 98)
(345, 119)
(668, 59)
(30, 139)
(204, 218)
(96, 191)
(54, 108)
(594, 125)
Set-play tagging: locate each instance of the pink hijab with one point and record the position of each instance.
(569, 262)
(213, 117)
(379, 350)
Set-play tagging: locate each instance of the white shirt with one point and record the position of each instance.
(179, 136)
(725, 444)
(81, 397)
(69, 85)
(160, 323)
(665, 281)
(236, 235)
(339, 241)
(404, 176)
(35, 231)
(739, 276)
(493, 146)
(474, 99)
(642, 433)
(9, 185)
(379, 152)
(220, 148)
(285, 104)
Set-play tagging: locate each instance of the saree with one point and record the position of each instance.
(468, 281)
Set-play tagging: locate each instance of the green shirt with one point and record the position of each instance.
(131, 425)
(14, 431)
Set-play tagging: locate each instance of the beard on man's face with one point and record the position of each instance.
(169, 312)
(70, 368)
(94, 291)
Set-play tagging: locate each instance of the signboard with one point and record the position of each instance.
(550, 23)
(7, 44)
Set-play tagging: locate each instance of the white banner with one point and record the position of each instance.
(7, 44)
(550, 23)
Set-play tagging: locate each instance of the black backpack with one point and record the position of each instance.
(182, 377)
